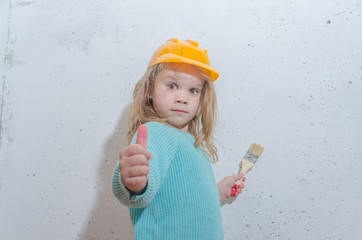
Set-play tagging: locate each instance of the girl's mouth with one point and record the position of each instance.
(178, 111)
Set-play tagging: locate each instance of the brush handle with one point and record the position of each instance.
(245, 166)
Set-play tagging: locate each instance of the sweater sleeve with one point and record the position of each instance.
(162, 144)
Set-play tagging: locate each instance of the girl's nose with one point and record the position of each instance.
(181, 99)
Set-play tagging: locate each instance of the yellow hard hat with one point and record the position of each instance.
(184, 51)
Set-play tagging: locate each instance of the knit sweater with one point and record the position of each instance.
(181, 199)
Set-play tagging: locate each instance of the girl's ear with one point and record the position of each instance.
(150, 101)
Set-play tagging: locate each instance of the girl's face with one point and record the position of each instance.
(176, 94)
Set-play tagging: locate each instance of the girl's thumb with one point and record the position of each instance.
(142, 135)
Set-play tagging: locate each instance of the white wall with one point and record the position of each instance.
(291, 80)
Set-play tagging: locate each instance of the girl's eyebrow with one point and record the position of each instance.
(170, 76)
(199, 85)
(175, 79)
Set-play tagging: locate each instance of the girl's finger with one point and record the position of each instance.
(239, 176)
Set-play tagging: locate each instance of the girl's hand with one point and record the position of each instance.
(224, 186)
(133, 162)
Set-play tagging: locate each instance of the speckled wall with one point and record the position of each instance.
(291, 80)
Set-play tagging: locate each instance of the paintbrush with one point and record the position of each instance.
(247, 163)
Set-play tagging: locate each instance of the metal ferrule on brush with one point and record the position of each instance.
(249, 157)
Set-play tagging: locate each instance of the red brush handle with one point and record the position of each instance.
(234, 190)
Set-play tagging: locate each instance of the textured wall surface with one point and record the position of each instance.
(291, 80)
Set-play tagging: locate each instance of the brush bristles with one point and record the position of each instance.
(256, 149)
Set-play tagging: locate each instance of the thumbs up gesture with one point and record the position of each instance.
(134, 162)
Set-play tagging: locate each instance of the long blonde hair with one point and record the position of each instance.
(201, 126)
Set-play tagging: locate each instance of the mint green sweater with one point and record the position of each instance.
(181, 199)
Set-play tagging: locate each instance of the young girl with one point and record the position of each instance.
(165, 176)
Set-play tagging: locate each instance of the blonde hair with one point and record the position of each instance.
(201, 126)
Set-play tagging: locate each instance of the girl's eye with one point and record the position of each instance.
(194, 91)
(172, 86)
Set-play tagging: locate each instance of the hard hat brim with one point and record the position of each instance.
(174, 58)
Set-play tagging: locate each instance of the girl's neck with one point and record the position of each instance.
(186, 128)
